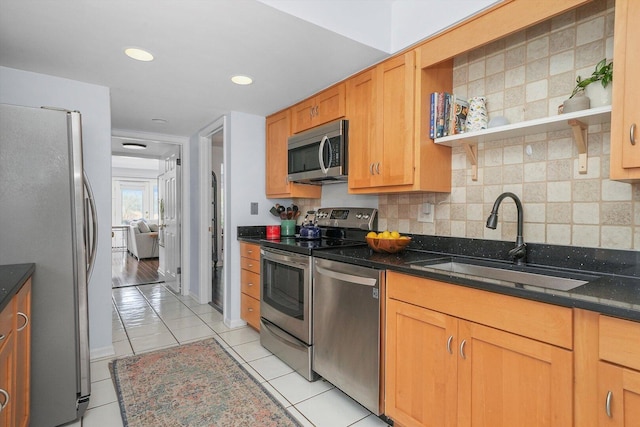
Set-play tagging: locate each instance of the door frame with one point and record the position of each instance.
(185, 226)
(205, 205)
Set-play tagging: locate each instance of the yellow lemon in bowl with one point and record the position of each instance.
(385, 234)
(372, 234)
(395, 235)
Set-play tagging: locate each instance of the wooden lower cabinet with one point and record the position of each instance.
(23, 355)
(618, 395)
(250, 284)
(15, 351)
(444, 370)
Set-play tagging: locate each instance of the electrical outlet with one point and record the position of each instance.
(426, 212)
(254, 208)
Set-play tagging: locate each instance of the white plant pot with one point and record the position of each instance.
(577, 103)
(599, 96)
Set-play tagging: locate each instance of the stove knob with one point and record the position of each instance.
(359, 215)
(365, 216)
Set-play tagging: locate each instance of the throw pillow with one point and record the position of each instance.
(153, 227)
(143, 227)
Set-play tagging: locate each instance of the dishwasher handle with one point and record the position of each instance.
(345, 277)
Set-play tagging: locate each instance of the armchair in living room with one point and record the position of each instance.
(143, 240)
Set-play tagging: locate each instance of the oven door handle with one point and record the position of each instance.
(284, 258)
(282, 336)
(349, 278)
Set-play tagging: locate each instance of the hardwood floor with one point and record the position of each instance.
(128, 271)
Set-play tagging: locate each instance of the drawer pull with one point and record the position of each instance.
(632, 135)
(6, 399)
(607, 404)
(2, 337)
(26, 320)
(462, 344)
(449, 344)
(250, 265)
(250, 310)
(249, 284)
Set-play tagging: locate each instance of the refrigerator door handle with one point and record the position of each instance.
(92, 236)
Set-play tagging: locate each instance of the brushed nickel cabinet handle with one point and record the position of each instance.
(249, 284)
(371, 168)
(26, 320)
(6, 399)
(632, 131)
(378, 168)
(462, 344)
(449, 344)
(607, 404)
(2, 337)
(250, 309)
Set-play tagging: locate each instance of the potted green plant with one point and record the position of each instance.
(595, 94)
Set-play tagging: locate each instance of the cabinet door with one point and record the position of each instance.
(276, 153)
(23, 355)
(619, 395)
(420, 375)
(625, 117)
(396, 87)
(330, 105)
(508, 380)
(7, 379)
(361, 111)
(303, 115)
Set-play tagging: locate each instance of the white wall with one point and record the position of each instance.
(389, 25)
(244, 183)
(36, 90)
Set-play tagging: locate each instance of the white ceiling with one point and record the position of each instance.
(199, 44)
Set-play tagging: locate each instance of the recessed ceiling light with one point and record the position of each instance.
(242, 80)
(138, 54)
(134, 146)
(159, 121)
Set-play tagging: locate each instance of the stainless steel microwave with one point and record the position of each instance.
(319, 155)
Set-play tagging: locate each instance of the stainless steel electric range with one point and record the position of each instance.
(286, 276)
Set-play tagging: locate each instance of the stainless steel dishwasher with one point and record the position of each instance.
(346, 329)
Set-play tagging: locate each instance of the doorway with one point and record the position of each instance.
(217, 220)
(146, 212)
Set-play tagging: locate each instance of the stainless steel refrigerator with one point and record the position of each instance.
(47, 216)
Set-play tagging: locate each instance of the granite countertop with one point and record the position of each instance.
(612, 276)
(616, 294)
(12, 277)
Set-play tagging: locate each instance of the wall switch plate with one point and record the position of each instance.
(426, 212)
(254, 208)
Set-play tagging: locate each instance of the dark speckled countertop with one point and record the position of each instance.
(616, 294)
(12, 277)
(613, 276)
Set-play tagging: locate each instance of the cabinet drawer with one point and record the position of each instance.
(250, 310)
(250, 264)
(250, 250)
(250, 283)
(7, 317)
(540, 321)
(620, 341)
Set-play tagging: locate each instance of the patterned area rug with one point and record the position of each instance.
(197, 384)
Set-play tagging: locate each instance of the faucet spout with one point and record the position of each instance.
(520, 251)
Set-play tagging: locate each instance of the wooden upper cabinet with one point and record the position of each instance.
(324, 107)
(380, 109)
(278, 130)
(625, 114)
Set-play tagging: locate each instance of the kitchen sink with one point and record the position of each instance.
(521, 277)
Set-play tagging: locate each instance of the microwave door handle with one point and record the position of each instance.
(324, 168)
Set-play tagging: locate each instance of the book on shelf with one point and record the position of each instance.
(447, 115)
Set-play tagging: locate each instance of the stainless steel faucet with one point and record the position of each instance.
(518, 253)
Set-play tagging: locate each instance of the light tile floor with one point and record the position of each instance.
(151, 317)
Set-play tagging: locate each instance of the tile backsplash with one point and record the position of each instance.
(526, 76)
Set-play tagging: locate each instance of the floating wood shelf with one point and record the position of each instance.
(578, 121)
